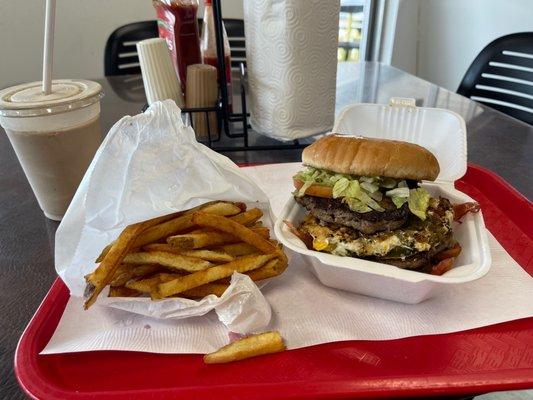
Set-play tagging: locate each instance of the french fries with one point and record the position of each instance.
(150, 285)
(248, 217)
(127, 272)
(199, 292)
(251, 346)
(235, 229)
(189, 254)
(209, 237)
(183, 283)
(237, 249)
(208, 255)
(122, 291)
(191, 241)
(104, 272)
(104, 252)
(272, 268)
(169, 260)
(169, 224)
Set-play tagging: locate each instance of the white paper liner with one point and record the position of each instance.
(306, 312)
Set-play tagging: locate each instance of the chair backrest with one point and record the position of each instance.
(501, 76)
(121, 57)
(237, 44)
(121, 52)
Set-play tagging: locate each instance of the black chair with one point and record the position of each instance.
(501, 76)
(237, 44)
(121, 57)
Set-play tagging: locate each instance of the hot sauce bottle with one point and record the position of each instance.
(178, 25)
(208, 46)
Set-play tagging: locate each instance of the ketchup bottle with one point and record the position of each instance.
(208, 45)
(178, 25)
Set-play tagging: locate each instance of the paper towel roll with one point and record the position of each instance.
(159, 77)
(291, 56)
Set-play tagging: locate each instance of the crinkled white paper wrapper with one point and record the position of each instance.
(150, 165)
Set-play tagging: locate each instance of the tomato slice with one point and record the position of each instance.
(315, 190)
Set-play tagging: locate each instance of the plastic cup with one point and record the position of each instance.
(55, 136)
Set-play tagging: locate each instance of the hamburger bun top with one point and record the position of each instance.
(371, 157)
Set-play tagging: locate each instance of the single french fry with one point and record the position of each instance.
(169, 260)
(149, 285)
(208, 255)
(251, 346)
(248, 217)
(200, 292)
(262, 231)
(181, 284)
(126, 272)
(271, 269)
(104, 272)
(237, 249)
(202, 238)
(122, 291)
(189, 241)
(233, 228)
(103, 253)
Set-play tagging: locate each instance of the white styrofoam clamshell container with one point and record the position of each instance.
(444, 134)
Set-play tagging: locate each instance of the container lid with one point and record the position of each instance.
(443, 132)
(28, 100)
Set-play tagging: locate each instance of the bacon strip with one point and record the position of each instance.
(303, 236)
(442, 267)
(452, 252)
(459, 210)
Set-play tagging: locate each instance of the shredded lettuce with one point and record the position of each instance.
(388, 183)
(369, 187)
(398, 192)
(304, 188)
(398, 201)
(356, 205)
(339, 188)
(418, 202)
(363, 194)
(378, 196)
(354, 190)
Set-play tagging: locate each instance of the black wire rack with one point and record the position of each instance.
(234, 126)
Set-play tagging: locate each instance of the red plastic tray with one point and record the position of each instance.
(498, 357)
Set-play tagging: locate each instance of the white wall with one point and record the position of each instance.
(435, 39)
(82, 28)
(438, 39)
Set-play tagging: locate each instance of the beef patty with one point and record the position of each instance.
(337, 212)
(418, 261)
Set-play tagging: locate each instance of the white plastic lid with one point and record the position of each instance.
(28, 100)
(441, 131)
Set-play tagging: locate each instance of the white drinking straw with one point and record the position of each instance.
(49, 23)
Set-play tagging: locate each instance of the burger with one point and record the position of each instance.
(363, 199)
